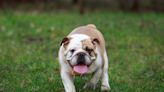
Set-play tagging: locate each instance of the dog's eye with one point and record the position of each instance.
(72, 50)
(89, 50)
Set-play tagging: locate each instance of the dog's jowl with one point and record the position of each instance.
(83, 52)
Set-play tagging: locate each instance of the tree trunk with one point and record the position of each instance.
(135, 5)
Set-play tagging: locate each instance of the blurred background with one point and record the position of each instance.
(85, 5)
(31, 32)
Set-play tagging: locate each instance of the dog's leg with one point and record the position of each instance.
(92, 83)
(67, 81)
(105, 81)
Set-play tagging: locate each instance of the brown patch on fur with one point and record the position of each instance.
(88, 43)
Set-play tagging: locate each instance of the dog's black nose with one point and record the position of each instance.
(81, 58)
(81, 54)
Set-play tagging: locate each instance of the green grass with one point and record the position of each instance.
(29, 45)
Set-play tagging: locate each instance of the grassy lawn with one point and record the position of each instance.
(29, 45)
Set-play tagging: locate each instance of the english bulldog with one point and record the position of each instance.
(83, 52)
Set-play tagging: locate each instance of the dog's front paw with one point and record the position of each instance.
(105, 88)
(90, 85)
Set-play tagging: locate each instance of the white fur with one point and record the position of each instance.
(105, 80)
(66, 78)
(76, 40)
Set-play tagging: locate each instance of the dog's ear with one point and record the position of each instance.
(65, 41)
(95, 41)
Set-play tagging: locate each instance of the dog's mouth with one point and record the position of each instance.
(80, 69)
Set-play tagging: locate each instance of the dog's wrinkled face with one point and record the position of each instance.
(80, 52)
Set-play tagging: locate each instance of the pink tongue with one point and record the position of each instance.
(81, 69)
